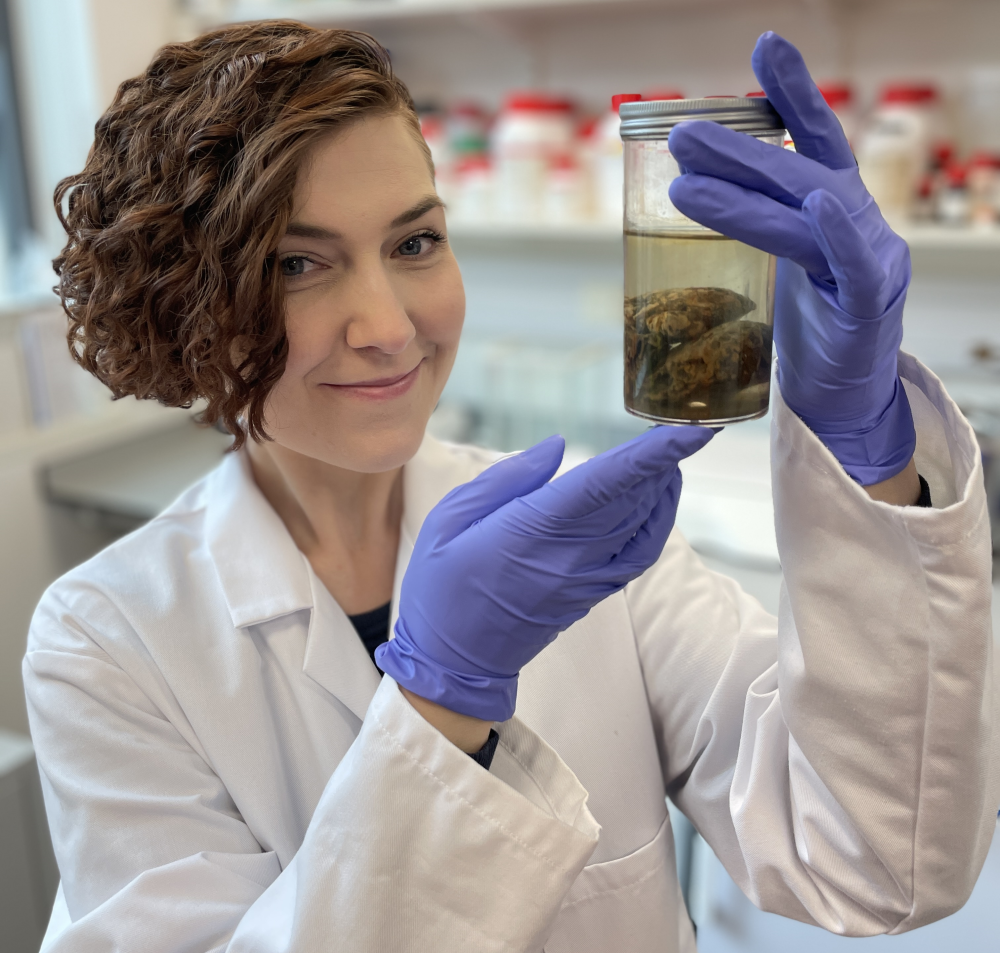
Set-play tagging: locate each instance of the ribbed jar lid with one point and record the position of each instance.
(655, 119)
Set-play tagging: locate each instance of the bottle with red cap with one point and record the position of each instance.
(894, 148)
(984, 190)
(607, 172)
(532, 130)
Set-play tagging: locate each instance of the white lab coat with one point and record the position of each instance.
(224, 771)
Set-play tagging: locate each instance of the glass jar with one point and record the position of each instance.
(699, 307)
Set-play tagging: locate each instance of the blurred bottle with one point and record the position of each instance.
(984, 190)
(432, 126)
(435, 134)
(474, 188)
(565, 198)
(531, 131)
(982, 107)
(467, 129)
(933, 182)
(894, 147)
(607, 168)
(953, 196)
(657, 93)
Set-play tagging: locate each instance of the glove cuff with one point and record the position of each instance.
(489, 697)
(876, 452)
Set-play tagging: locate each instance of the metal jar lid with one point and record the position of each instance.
(655, 119)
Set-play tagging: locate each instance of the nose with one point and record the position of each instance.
(378, 317)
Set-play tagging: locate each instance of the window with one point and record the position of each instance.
(16, 226)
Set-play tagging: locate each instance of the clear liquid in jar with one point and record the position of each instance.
(698, 316)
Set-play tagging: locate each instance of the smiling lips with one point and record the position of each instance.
(383, 388)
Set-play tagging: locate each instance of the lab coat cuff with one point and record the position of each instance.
(947, 455)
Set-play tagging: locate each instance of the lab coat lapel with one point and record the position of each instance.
(335, 657)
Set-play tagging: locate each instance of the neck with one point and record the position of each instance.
(346, 523)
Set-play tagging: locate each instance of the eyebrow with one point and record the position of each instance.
(304, 230)
(421, 208)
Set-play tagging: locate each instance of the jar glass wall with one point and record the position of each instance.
(698, 306)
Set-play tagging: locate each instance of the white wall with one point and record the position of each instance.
(126, 34)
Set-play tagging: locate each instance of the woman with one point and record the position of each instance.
(223, 766)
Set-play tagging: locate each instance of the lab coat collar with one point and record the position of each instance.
(262, 572)
(335, 658)
(265, 576)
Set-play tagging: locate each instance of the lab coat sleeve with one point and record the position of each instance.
(412, 846)
(840, 760)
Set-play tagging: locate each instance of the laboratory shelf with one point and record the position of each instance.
(573, 232)
(361, 12)
(943, 237)
(346, 13)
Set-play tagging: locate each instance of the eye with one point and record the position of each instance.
(419, 245)
(294, 266)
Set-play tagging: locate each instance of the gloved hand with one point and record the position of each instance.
(842, 274)
(506, 562)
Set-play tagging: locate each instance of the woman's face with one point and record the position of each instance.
(374, 301)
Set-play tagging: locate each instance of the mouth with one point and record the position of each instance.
(382, 388)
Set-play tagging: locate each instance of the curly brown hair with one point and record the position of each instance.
(169, 274)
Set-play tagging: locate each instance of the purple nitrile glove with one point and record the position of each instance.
(842, 274)
(506, 562)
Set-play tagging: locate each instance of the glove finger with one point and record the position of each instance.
(607, 530)
(749, 217)
(643, 549)
(594, 537)
(785, 176)
(862, 283)
(507, 479)
(814, 126)
(612, 482)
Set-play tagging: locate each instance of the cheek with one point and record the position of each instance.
(311, 336)
(441, 312)
(310, 342)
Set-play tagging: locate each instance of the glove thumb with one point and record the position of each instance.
(505, 480)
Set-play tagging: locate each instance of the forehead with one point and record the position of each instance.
(373, 166)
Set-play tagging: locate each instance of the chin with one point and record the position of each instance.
(379, 449)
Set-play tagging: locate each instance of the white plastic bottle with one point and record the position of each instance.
(531, 130)
(608, 170)
(894, 148)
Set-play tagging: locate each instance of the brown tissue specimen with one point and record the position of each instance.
(683, 314)
(686, 342)
(730, 354)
